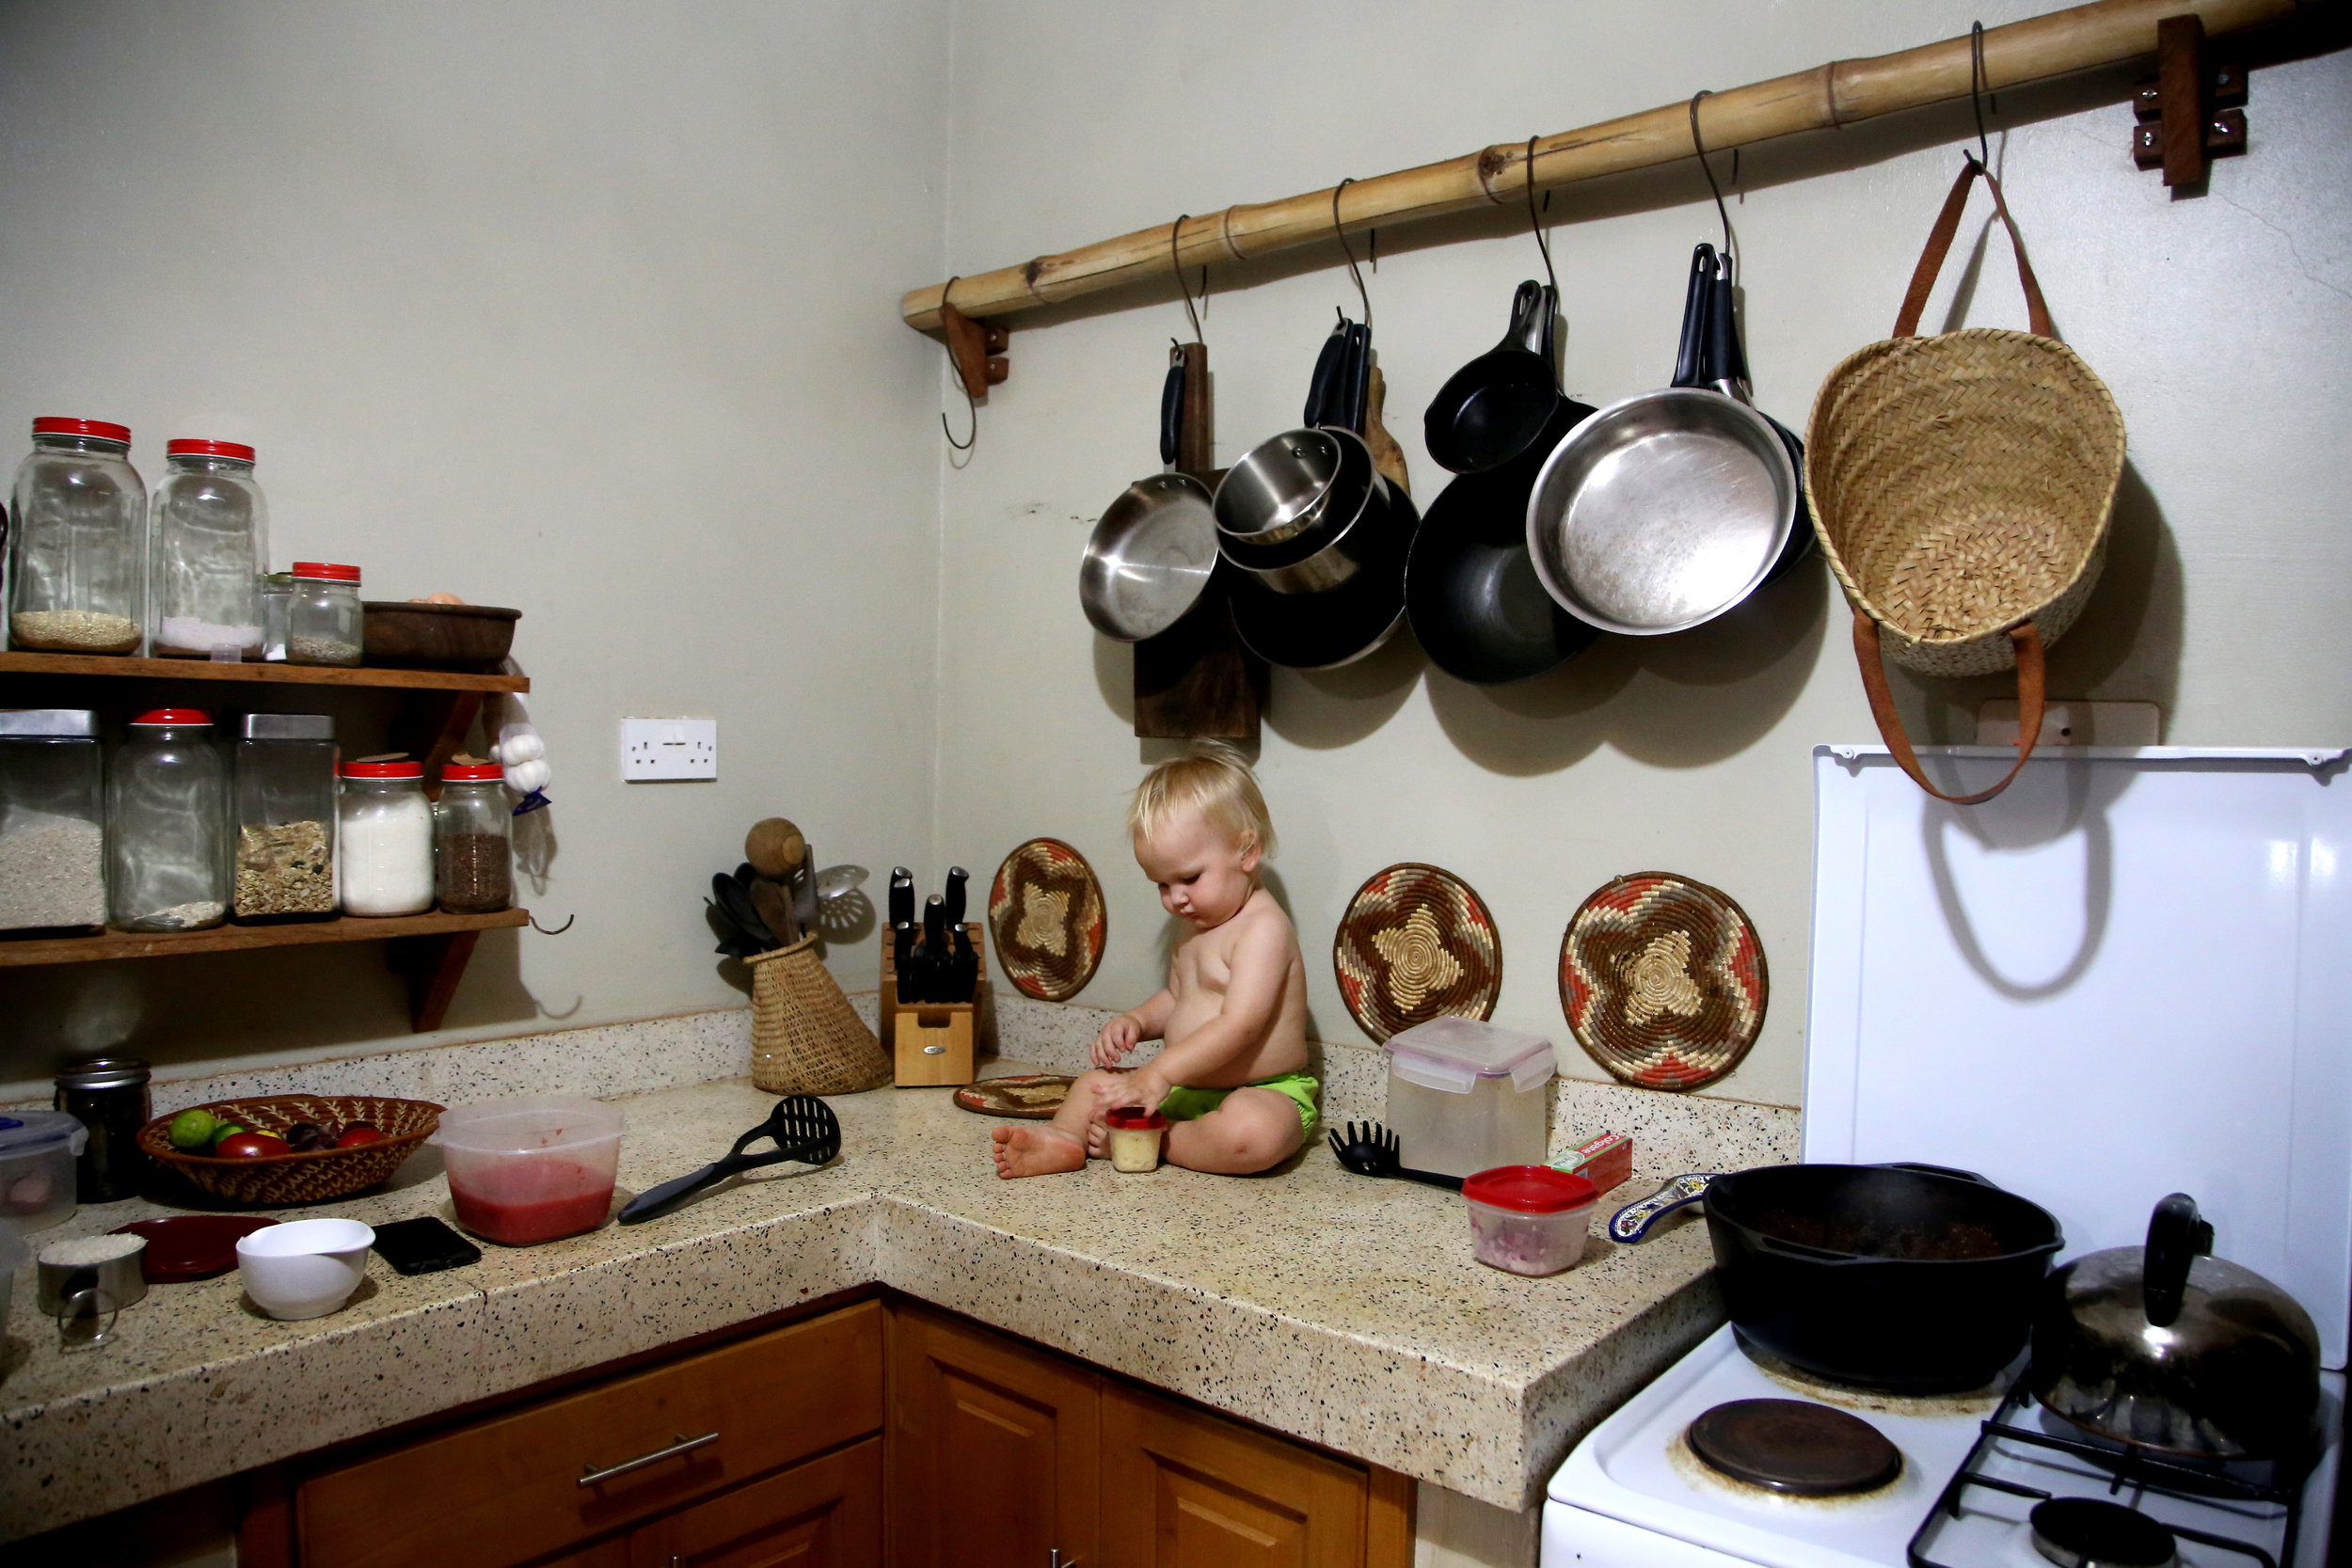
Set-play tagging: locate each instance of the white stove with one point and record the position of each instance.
(2124, 977)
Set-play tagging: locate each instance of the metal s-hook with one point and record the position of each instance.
(1339, 228)
(1177, 261)
(969, 401)
(558, 931)
(1534, 222)
(1980, 91)
(1699, 147)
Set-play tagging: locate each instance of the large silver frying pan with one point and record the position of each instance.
(1665, 509)
(1150, 557)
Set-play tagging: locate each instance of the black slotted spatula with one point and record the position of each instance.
(803, 1128)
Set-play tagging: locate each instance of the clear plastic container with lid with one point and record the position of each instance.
(37, 1153)
(1529, 1219)
(52, 821)
(286, 808)
(168, 825)
(324, 617)
(77, 549)
(474, 849)
(384, 840)
(529, 1170)
(208, 546)
(1465, 1095)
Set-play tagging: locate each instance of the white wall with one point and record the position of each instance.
(2220, 323)
(583, 307)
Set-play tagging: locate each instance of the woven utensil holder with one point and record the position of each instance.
(805, 1038)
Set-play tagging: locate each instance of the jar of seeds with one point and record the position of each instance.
(472, 839)
(52, 813)
(77, 557)
(285, 805)
(323, 619)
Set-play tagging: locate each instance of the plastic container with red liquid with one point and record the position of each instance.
(531, 1170)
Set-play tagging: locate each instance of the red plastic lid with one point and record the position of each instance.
(52, 424)
(186, 447)
(174, 716)
(383, 770)
(326, 571)
(1530, 1189)
(459, 773)
(1129, 1118)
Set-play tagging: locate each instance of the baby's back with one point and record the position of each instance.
(1251, 969)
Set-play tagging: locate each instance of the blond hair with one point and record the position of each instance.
(1212, 779)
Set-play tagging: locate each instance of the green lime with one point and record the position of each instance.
(192, 1131)
(224, 1130)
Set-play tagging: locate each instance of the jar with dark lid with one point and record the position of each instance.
(208, 545)
(107, 1095)
(473, 840)
(53, 817)
(77, 549)
(324, 618)
(284, 771)
(167, 825)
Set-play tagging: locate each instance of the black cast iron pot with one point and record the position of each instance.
(1908, 1279)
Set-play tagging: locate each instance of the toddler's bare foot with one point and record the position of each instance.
(1036, 1151)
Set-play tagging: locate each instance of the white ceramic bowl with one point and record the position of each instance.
(305, 1269)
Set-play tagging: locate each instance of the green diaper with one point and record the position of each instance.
(1184, 1105)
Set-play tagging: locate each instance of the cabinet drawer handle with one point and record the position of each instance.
(590, 1475)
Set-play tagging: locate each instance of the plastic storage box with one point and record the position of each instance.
(1466, 1097)
(37, 1153)
(522, 1171)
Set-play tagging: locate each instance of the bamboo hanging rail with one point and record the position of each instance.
(2082, 37)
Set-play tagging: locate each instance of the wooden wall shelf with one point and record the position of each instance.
(278, 674)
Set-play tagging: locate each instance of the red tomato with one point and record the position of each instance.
(358, 1134)
(250, 1146)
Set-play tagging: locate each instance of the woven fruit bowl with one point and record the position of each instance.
(314, 1177)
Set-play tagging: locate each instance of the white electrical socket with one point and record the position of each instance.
(653, 748)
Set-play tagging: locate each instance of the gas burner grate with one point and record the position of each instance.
(2123, 1467)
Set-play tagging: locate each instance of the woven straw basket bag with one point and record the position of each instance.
(1960, 486)
(805, 1038)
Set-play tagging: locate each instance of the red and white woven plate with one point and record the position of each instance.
(1663, 980)
(1416, 944)
(1045, 911)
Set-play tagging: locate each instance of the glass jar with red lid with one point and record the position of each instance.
(384, 840)
(167, 863)
(474, 839)
(323, 619)
(77, 549)
(208, 545)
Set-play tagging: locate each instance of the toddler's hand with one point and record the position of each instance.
(1119, 1037)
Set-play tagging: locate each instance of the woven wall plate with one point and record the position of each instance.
(1045, 911)
(1416, 944)
(1662, 979)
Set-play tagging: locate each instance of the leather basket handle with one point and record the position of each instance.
(1940, 245)
(2029, 703)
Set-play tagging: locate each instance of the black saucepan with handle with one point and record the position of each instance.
(1904, 1277)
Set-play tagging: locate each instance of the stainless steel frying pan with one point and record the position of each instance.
(1665, 509)
(1150, 557)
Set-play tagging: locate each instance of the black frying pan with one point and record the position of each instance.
(1495, 408)
(1477, 607)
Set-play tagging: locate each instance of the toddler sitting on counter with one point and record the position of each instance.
(1231, 1079)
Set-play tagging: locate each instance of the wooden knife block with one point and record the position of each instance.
(931, 1044)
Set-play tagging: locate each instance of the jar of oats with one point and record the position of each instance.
(285, 806)
(77, 552)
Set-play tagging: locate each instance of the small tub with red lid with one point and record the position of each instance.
(1529, 1219)
(1135, 1134)
(324, 619)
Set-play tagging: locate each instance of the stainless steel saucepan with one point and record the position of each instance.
(1151, 556)
(1665, 509)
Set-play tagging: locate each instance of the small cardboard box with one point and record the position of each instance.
(932, 1043)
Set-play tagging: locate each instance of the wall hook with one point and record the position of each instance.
(2191, 112)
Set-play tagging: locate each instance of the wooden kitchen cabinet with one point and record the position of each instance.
(1001, 1452)
(994, 1447)
(509, 1489)
(825, 1513)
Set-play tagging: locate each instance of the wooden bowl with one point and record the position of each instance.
(437, 636)
(317, 1177)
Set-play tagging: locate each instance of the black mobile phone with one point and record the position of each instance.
(425, 1247)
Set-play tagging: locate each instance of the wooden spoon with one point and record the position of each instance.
(774, 846)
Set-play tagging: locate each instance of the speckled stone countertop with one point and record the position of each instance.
(1345, 1312)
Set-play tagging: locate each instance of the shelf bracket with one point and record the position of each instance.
(433, 965)
(2193, 111)
(979, 350)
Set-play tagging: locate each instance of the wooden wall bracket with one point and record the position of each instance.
(979, 350)
(2193, 111)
